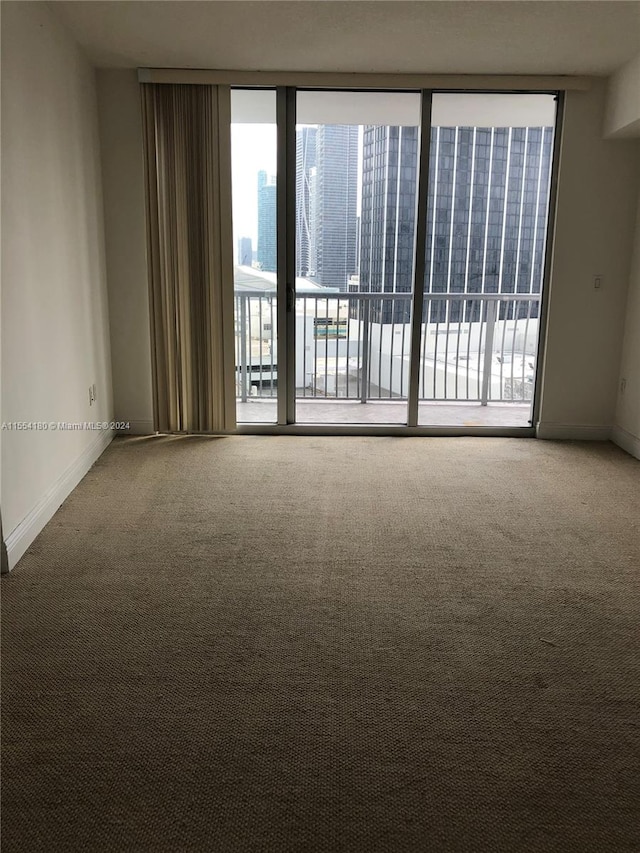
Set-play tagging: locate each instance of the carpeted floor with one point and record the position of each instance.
(329, 644)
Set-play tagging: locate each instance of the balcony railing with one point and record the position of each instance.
(356, 346)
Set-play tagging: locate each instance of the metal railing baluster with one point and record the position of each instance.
(314, 389)
(504, 333)
(272, 343)
(348, 347)
(425, 326)
(402, 343)
(243, 355)
(457, 373)
(482, 331)
(326, 348)
(513, 349)
(359, 308)
(260, 325)
(365, 352)
(304, 346)
(469, 351)
(446, 348)
(380, 352)
(488, 350)
(524, 349)
(435, 356)
(238, 341)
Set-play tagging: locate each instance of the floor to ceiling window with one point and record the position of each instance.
(254, 182)
(488, 201)
(356, 182)
(414, 296)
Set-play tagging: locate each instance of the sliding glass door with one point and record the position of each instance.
(356, 183)
(254, 200)
(487, 212)
(393, 244)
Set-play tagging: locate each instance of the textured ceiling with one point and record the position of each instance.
(516, 37)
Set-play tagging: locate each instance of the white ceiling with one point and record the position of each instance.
(447, 37)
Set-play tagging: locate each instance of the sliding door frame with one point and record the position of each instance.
(548, 258)
(419, 255)
(286, 267)
(286, 253)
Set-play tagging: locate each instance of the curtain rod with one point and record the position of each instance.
(348, 80)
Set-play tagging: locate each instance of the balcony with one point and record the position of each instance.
(476, 361)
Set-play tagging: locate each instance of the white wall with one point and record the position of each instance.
(126, 240)
(626, 431)
(622, 119)
(55, 339)
(598, 187)
(622, 115)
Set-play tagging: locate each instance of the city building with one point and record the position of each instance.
(486, 217)
(326, 210)
(387, 221)
(305, 200)
(267, 248)
(245, 252)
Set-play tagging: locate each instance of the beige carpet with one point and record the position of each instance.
(329, 644)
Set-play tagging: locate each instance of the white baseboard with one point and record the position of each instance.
(23, 535)
(626, 440)
(138, 428)
(572, 432)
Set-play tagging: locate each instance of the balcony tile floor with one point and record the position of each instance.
(352, 412)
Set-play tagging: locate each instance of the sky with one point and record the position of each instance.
(254, 145)
(253, 148)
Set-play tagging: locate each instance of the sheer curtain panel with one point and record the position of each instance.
(187, 168)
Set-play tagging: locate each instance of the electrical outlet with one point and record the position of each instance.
(597, 282)
(623, 386)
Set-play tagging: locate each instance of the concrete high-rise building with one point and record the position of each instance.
(387, 221)
(267, 245)
(486, 218)
(336, 187)
(305, 199)
(245, 252)
(326, 210)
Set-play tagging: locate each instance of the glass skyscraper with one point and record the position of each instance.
(486, 217)
(326, 209)
(387, 222)
(305, 196)
(267, 246)
(245, 251)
